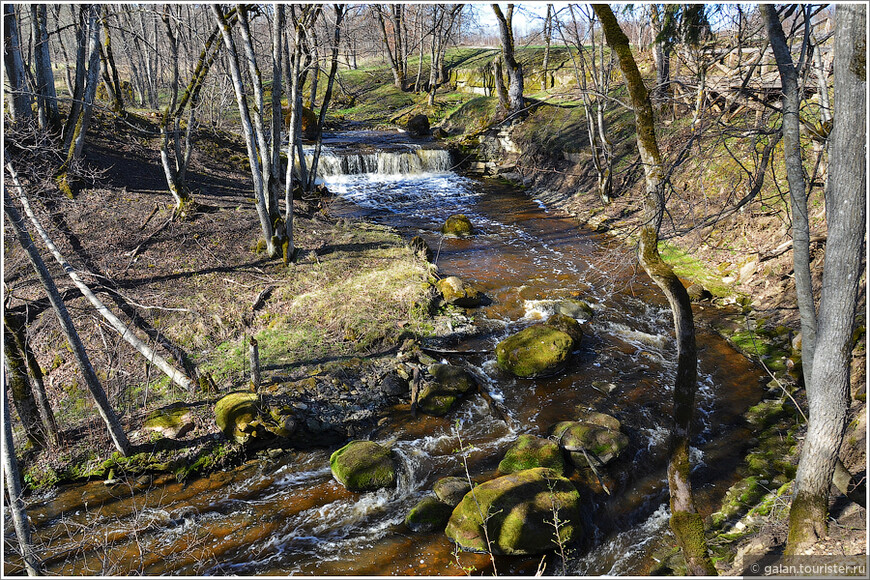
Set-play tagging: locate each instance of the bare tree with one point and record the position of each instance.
(20, 105)
(393, 46)
(116, 432)
(828, 392)
(686, 523)
(49, 116)
(797, 189)
(13, 487)
(516, 102)
(271, 222)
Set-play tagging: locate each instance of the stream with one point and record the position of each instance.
(289, 516)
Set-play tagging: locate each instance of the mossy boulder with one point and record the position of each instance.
(447, 384)
(538, 350)
(309, 122)
(429, 515)
(575, 309)
(236, 415)
(172, 423)
(244, 417)
(418, 126)
(529, 452)
(457, 225)
(601, 443)
(363, 466)
(458, 292)
(698, 293)
(519, 508)
(568, 325)
(451, 490)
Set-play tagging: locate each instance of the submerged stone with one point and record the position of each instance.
(600, 443)
(457, 225)
(363, 466)
(429, 515)
(574, 308)
(536, 351)
(519, 512)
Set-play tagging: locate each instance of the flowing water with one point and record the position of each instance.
(290, 517)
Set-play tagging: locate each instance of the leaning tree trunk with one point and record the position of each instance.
(15, 326)
(791, 145)
(174, 374)
(116, 432)
(686, 523)
(22, 394)
(845, 210)
(13, 486)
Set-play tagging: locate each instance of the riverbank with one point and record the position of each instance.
(742, 258)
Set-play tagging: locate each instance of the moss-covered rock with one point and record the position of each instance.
(363, 466)
(568, 325)
(451, 490)
(574, 308)
(538, 350)
(418, 125)
(599, 442)
(458, 292)
(172, 423)
(529, 452)
(429, 515)
(448, 383)
(518, 510)
(235, 415)
(457, 225)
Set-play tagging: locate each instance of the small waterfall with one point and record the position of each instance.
(385, 162)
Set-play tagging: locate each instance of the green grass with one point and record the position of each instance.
(690, 268)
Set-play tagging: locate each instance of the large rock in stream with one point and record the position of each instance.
(528, 452)
(363, 466)
(598, 435)
(536, 351)
(458, 292)
(520, 509)
(457, 225)
(448, 383)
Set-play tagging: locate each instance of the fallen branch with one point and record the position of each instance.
(174, 374)
(786, 246)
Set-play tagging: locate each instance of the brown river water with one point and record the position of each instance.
(288, 515)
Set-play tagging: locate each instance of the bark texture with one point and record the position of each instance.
(845, 207)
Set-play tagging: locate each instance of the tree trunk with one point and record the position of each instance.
(22, 394)
(803, 280)
(393, 56)
(177, 376)
(516, 103)
(119, 438)
(13, 486)
(845, 207)
(686, 522)
(327, 96)
(548, 33)
(15, 326)
(248, 131)
(49, 117)
(21, 100)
